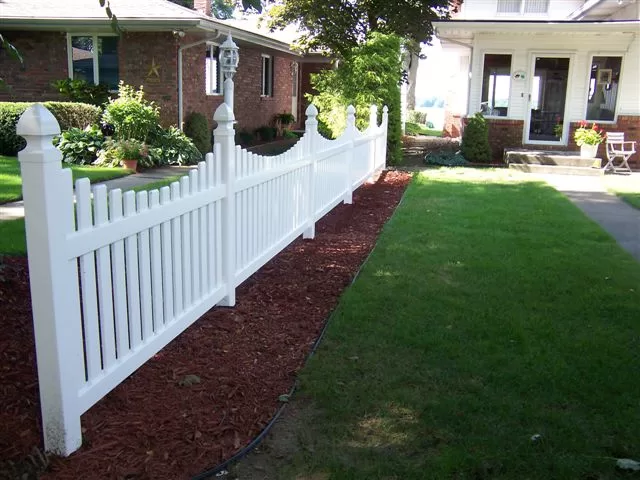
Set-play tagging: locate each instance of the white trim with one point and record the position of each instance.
(590, 56)
(564, 141)
(270, 77)
(211, 46)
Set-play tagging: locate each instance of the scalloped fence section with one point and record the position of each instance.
(116, 276)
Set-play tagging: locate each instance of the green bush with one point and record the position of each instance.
(172, 147)
(68, 115)
(130, 114)
(83, 91)
(416, 116)
(475, 140)
(116, 151)
(369, 74)
(197, 129)
(265, 133)
(445, 159)
(244, 137)
(80, 146)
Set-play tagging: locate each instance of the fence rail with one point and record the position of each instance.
(116, 276)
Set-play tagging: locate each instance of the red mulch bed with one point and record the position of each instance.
(152, 425)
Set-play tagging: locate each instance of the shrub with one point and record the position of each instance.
(68, 115)
(290, 134)
(172, 147)
(130, 114)
(115, 151)
(282, 121)
(83, 91)
(197, 129)
(244, 137)
(369, 74)
(446, 159)
(416, 116)
(265, 133)
(475, 140)
(81, 146)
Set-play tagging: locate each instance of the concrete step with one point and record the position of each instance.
(541, 157)
(557, 169)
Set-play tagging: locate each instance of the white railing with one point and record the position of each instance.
(116, 276)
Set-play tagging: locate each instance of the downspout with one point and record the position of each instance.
(180, 95)
(470, 47)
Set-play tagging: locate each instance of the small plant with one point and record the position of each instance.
(244, 137)
(197, 129)
(282, 121)
(130, 114)
(83, 91)
(172, 147)
(265, 133)
(475, 140)
(416, 116)
(586, 135)
(79, 146)
(117, 151)
(445, 159)
(289, 134)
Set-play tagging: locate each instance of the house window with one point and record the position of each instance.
(604, 80)
(496, 85)
(94, 58)
(267, 76)
(517, 7)
(213, 74)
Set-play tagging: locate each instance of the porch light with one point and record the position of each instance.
(229, 57)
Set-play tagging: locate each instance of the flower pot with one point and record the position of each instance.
(589, 151)
(130, 164)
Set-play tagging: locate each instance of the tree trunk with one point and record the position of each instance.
(412, 78)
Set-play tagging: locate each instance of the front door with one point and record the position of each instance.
(547, 101)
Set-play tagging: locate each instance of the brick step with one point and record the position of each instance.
(557, 169)
(541, 157)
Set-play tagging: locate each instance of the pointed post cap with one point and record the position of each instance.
(373, 109)
(224, 114)
(37, 121)
(311, 111)
(351, 110)
(385, 109)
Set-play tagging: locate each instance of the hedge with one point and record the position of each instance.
(68, 114)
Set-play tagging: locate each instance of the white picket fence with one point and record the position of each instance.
(116, 276)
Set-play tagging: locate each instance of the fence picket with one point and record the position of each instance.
(176, 239)
(144, 255)
(132, 275)
(119, 279)
(167, 265)
(157, 294)
(185, 189)
(194, 182)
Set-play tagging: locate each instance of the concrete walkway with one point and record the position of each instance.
(13, 210)
(621, 220)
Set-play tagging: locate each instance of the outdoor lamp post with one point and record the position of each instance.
(229, 59)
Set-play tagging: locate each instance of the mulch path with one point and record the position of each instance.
(156, 426)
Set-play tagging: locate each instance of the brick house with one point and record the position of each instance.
(169, 49)
(537, 68)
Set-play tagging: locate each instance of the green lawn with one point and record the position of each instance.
(626, 187)
(493, 334)
(11, 183)
(414, 129)
(12, 238)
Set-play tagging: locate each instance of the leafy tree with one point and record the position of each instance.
(369, 74)
(338, 25)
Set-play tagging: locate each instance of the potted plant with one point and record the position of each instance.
(588, 139)
(127, 153)
(282, 121)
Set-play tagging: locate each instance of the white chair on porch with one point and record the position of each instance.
(618, 149)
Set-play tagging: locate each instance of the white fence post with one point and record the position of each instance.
(224, 134)
(349, 136)
(374, 132)
(311, 129)
(385, 130)
(48, 201)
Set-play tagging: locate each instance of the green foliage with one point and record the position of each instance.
(289, 134)
(68, 115)
(79, 146)
(115, 151)
(130, 114)
(340, 26)
(172, 147)
(197, 129)
(475, 140)
(416, 116)
(83, 91)
(281, 121)
(244, 137)
(265, 133)
(445, 159)
(369, 75)
(415, 129)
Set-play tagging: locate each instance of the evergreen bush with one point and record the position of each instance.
(475, 140)
(68, 115)
(369, 74)
(130, 114)
(197, 129)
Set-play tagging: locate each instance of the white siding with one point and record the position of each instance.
(487, 10)
(580, 47)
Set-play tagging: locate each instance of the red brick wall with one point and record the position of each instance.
(452, 125)
(505, 133)
(45, 60)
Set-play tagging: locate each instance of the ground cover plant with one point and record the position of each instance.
(11, 182)
(626, 187)
(492, 334)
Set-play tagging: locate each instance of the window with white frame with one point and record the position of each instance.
(94, 58)
(518, 7)
(496, 85)
(213, 73)
(267, 76)
(604, 79)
